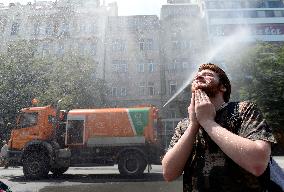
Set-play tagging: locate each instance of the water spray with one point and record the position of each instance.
(229, 41)
(185, 84)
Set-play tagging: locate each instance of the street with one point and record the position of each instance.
(95, 179)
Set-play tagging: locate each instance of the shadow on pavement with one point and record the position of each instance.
(93, 178)
(121, 187)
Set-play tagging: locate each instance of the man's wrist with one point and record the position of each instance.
(194, 127)
(208, 124)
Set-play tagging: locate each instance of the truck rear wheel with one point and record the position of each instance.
(131, 163)
(35, 165)
(59, 171)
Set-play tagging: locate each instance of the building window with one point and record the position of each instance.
(173, 114)
(269, 13)
(60, 50)
(173, 87)
(114, 91)
(142, 88)
(119, 66)
(45, 50)
(260, 13)
(236, 14)
(48, 28)
(36, 28)
(3, 23)
(82, 28)
(141, 67)
(15, 28)
(151, 66)
(212, 5)
(278, 13)
(250, 14)
(218, 30)
(81, 48)
(179, 64)
(118, 45)
(123, 92)
(255, 4)
(141, 44)
(93, 28)
(181, 44)
(275, 4)
(64, 28)
(146, 44)
(184, 64)
(172, 66)
(232, 5)
(151, 88)
(93, 49)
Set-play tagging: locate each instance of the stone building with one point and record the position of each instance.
(240, 22)
(132, 62)
(183, 41)
(60, 27)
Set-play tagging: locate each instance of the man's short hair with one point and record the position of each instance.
(224, 80)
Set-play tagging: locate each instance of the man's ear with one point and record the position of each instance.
(223, 88)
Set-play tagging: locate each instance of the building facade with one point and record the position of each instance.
(132, 62)
(183, 42)
(242, 21)
(75, 27)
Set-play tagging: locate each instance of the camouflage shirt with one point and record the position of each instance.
(208, 168)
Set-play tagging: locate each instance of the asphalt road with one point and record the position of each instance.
(95, 179)
(90, 179)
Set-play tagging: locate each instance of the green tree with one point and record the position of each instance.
(259, 77)
(25, 76)
(72, 80)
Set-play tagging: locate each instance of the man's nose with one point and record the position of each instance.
(198, 76)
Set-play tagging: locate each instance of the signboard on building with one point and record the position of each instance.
(253, 29)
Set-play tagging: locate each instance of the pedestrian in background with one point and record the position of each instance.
(4, 152)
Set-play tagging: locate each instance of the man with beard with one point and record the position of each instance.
(222, 145)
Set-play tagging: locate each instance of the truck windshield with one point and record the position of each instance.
(27, 120)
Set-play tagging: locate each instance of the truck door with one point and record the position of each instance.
(75, 130)
(27, 129)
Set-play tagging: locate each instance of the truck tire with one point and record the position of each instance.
(35, 165)
(131, 163)
(59, 171)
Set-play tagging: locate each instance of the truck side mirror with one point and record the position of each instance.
(9, 125)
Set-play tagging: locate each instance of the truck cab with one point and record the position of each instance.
(37, 143)
(34, 123)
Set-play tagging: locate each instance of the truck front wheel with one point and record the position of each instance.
(131, 163)
(35, 165)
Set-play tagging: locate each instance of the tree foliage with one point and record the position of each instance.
(72, 80)
(25, 76)
(259, 77)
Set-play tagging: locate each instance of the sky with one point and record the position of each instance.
(125, 7)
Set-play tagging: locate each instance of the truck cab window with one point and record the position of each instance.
(27, 120)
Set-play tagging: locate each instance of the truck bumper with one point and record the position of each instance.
(14, 157)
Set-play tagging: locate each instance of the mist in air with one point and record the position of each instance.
(228, 43)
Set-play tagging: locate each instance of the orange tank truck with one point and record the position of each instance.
(47, 139)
